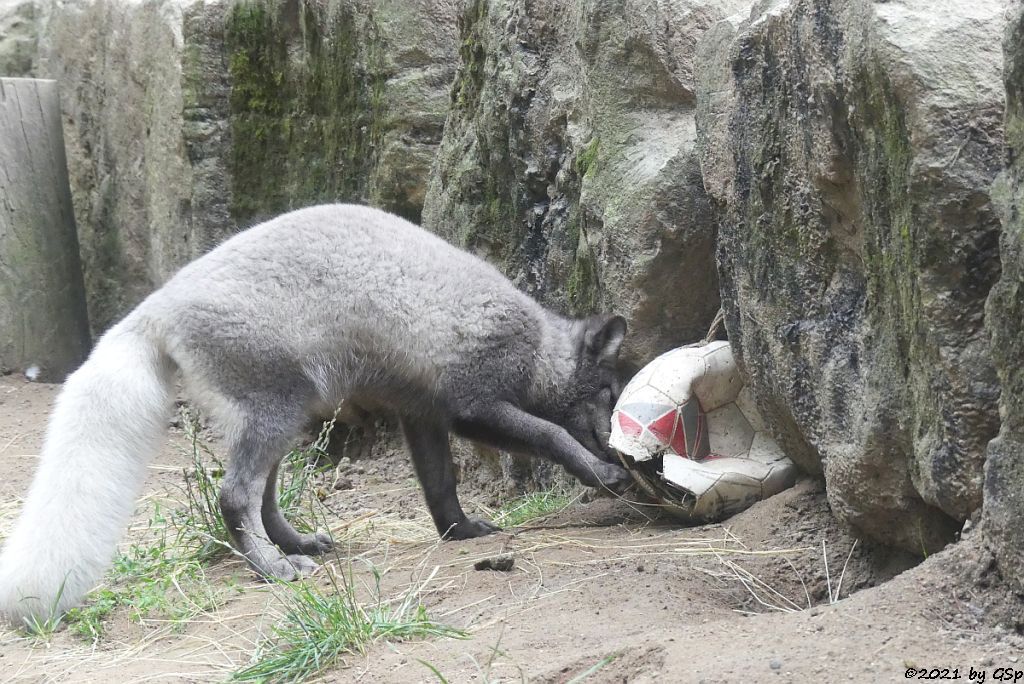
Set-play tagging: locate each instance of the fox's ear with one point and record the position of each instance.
(603, 337)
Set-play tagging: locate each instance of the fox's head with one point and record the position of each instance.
(588, 400)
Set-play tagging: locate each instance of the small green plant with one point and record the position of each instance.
(200, 524)
(299, 503)
(87, 621)
(44, 628)
(485, 673)
(522, 509)
(319, 627)
(433, 670)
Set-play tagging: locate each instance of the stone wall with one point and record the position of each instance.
(187, 121)
(849, 148)
(1004, 469)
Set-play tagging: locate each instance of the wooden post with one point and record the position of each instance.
(44, 328)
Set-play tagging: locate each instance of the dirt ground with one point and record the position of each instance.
(602, 591)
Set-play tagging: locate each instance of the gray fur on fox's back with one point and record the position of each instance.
(346, 302)
(289, 320)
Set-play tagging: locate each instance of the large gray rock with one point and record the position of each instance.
(569, 159)
(1004, 470)
(344, 99)
(850, 147)
(19, 35)
(186, 121)
(43, 324)
(119, 67)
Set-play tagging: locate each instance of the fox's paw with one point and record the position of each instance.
(292, 567)
(315, 544)
(604, 476)
(471, 527)
(613, 477)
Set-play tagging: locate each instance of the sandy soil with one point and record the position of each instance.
(604, 587)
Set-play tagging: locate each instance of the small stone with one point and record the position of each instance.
(501, 563)
(342, 484)
(775, 664)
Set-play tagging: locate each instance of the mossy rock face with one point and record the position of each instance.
(336, 101)
(304, 122)
(1004, 469)
(187, 122)
(568, 159)
(851, 163)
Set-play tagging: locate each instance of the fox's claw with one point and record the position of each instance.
(292, 567)
(614, 478)
(471, 527)
(315, 544)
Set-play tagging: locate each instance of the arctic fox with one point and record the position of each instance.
(291, 318)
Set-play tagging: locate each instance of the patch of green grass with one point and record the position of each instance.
(162, 575)
(319, 627)
(156, 577)
(523, 509)
(88, 621)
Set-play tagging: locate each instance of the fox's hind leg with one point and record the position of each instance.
(254, 454)
(432, 458)
(282, 532)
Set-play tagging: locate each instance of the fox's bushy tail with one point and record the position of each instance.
(109, 420)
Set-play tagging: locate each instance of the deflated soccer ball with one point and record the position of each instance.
(691, 435)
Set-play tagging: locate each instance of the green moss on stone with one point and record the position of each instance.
(470, 77)
(890, 245)
(583, 288)
(489, 189)
(305, 107)
(585, 160)
(191, 72)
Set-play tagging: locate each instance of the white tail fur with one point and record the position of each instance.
(109, 420)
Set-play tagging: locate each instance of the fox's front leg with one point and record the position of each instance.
(507, 426)
(432, 458)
